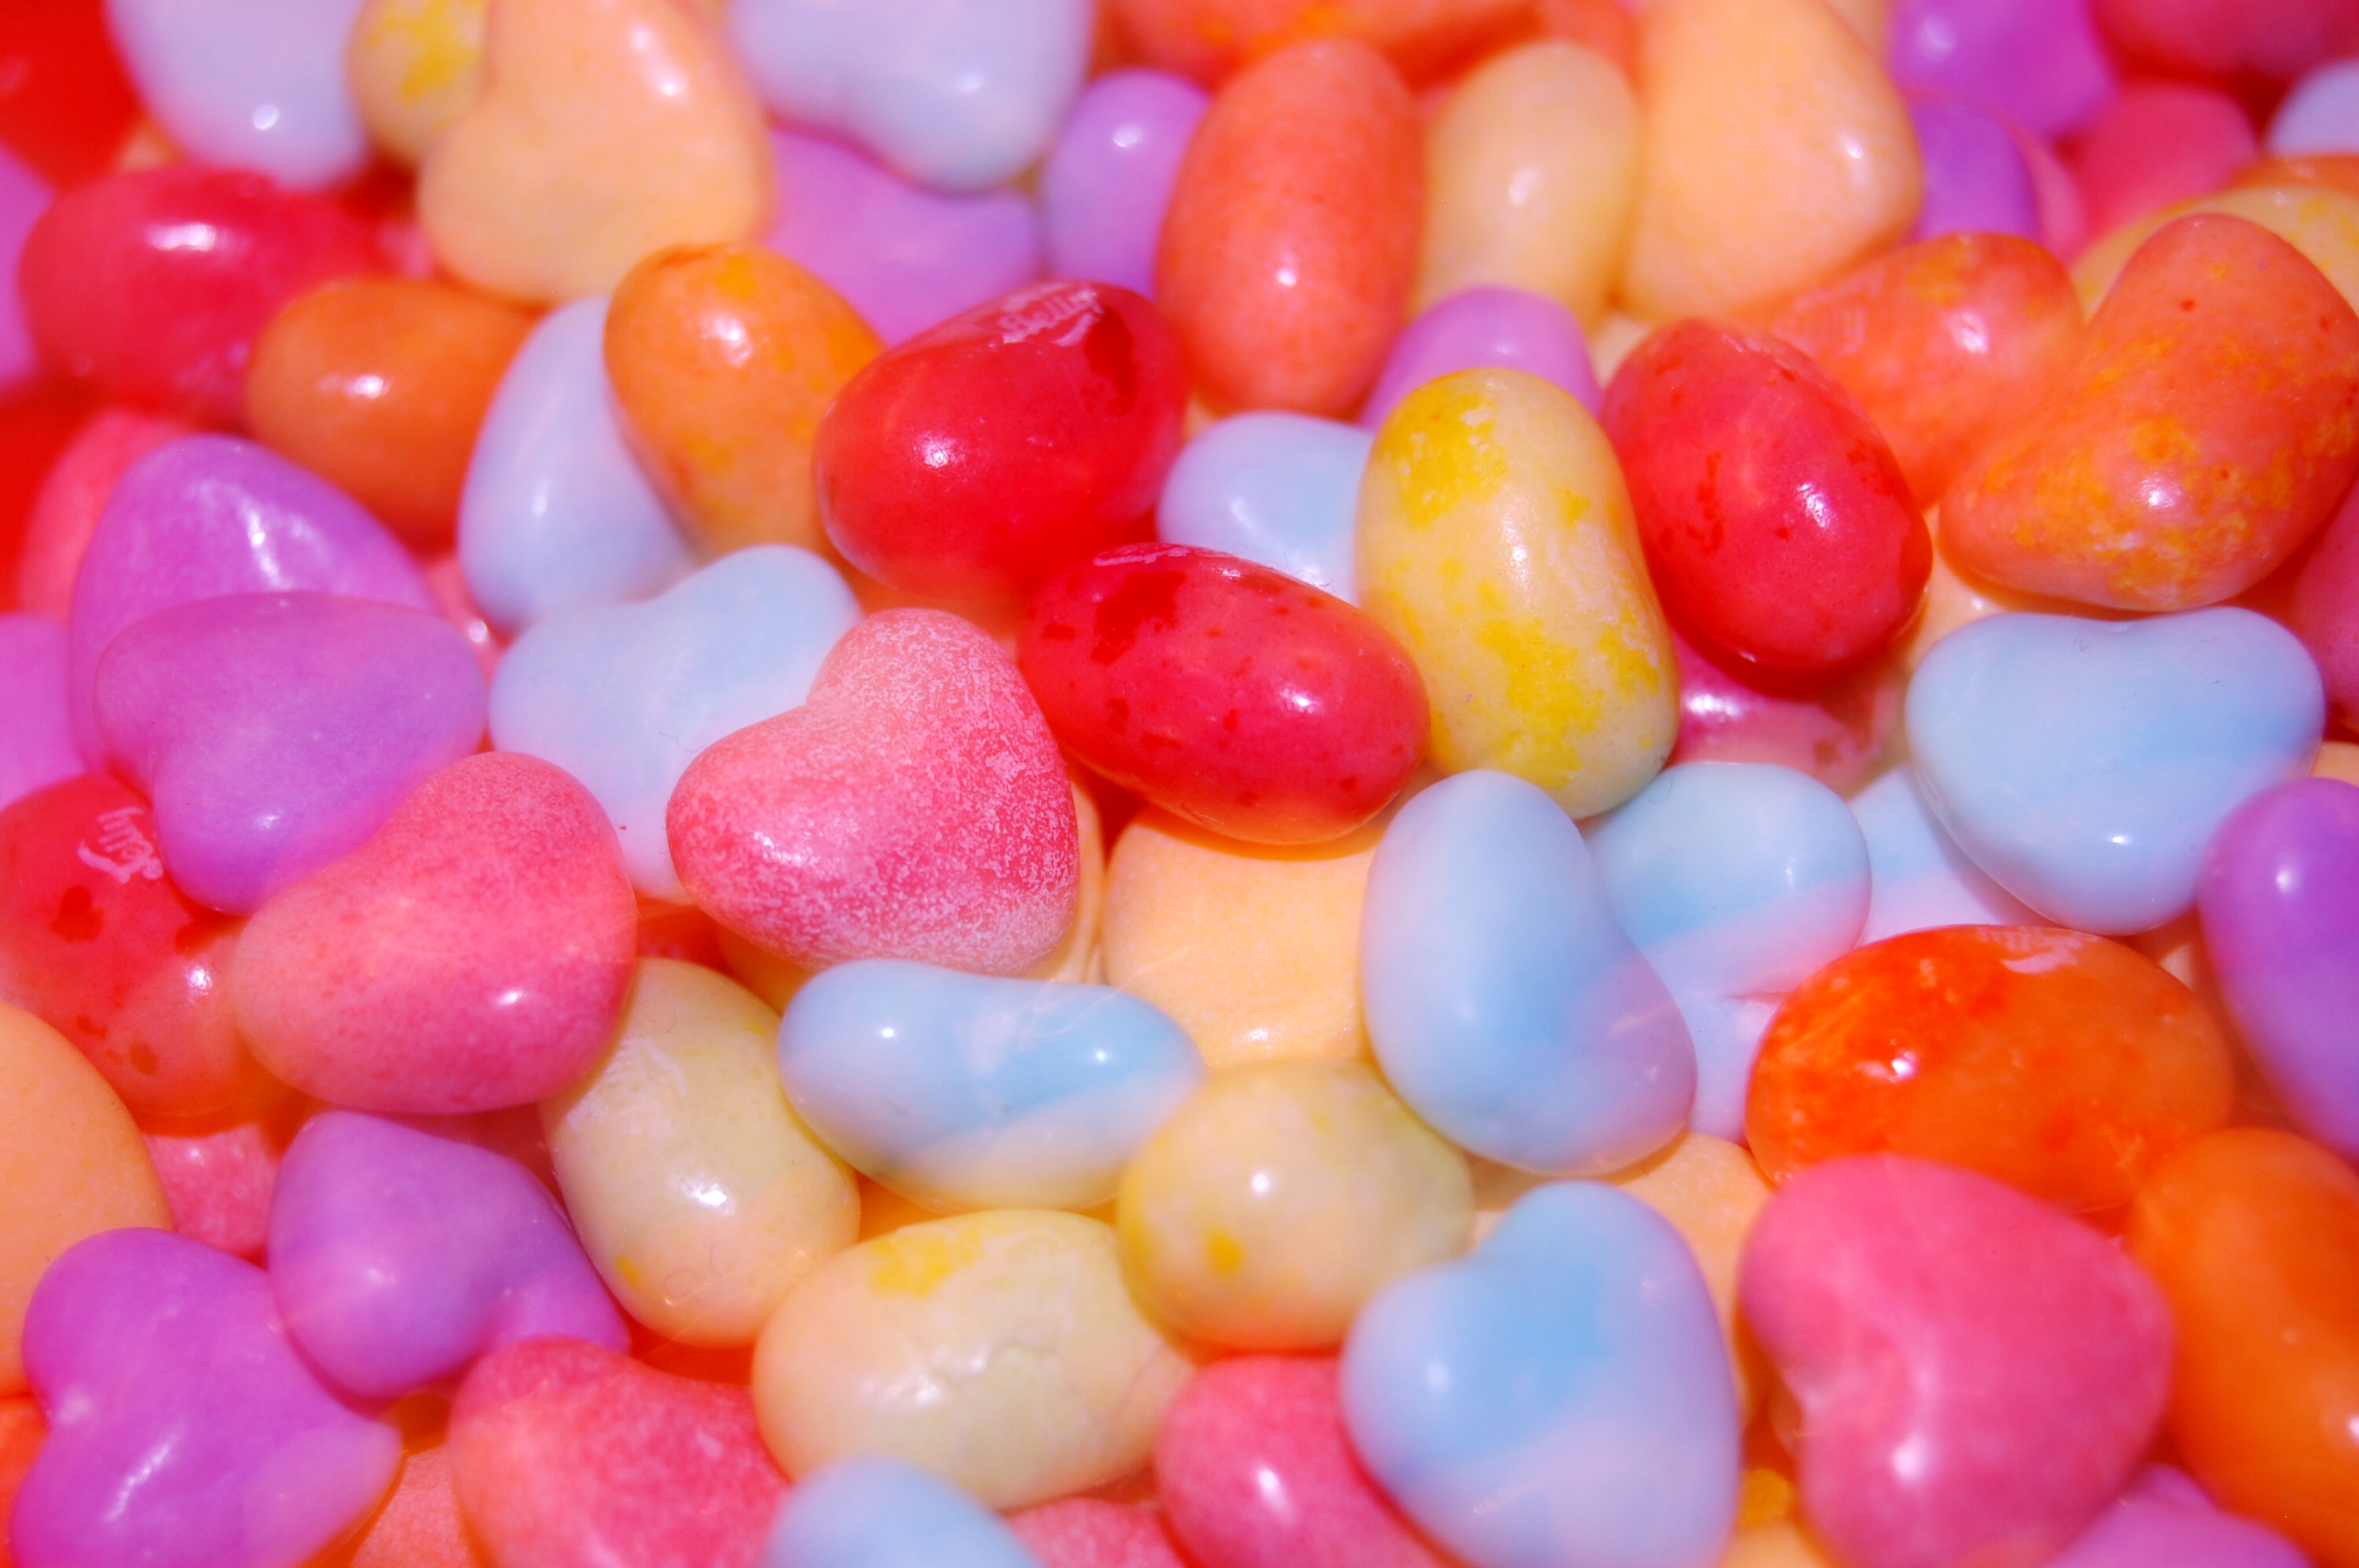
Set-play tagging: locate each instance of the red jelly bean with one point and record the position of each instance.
(980, 456)
(154, 285)
(1775, 518)
(2277, 39)
(65, 104)
(1239, 697)
(36, 425)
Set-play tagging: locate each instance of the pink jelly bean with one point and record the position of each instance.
(2277, 39)
(66, 511)
(1090, 1532)
(2037, 63)
(419, 1526)
(37, 744)
(1976, 1372)
(218, 1183)
(24, 197)
(1834, 728)
(2158, 143)
(1976, 181)
(2164, 1520)
(1109, 176)
(1477, 327)
(2063, 213)
(2324, 611)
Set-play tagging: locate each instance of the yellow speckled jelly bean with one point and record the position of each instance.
(1001, 1350)
(1253, 948)
(1280, 1197)
(698, 1194)
(1496, 541)
(2320, 222)
(1529, 172)
(414, 66)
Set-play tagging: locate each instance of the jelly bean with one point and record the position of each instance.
(2320, 222)
(2320, 115)
(913, 807)
(1255, 1472)
(884, 1513)
(1977, 1375)
(2196, 37)
(2064, 214)
(1508, 328)
(1737, 880)
(722, 360)
(1280, 1198)
(624, 697)
(1107, 180)
(2324, 611)
(1507, 1005)
(184, 1428)
(71, 107)
(1919, 877)
(903, 256)
(379, 387)
(1775, 520)
(21, 1433)
(1495, 542)
(414, 67)
(36, 745)
(2038, 63)
(1977, 179)
(1576, 1348)
(2165, 1517)
(1531, 169)
(1210, 38)
(153, 286)
(2251, 1234)
(2158, 143)
(1088, 1532)
(556, 514)
(218, 1182)
(564, 1452)
(1279, 488)
(1291, 245)
(475, 954)
(252, 83)
(24, 197)
(1942, 342)
(2084, 765)
(1835, 728)
(275, 732)
(74, 493)
(1778, 152)
(1000, 1351)
(2280, 908)
(700, 1195)
(420, 1525)
(1712, 1193)
(602, 133)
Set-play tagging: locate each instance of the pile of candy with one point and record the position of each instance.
(1182, 784)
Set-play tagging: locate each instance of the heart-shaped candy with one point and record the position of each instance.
(37, 744)
(248, 83)
(1106, 184)
(2165, 1517)
(475, 954)
(1919, 876)
(887, 1513)
(914, 807)
(2084, 764)
(1278, 488)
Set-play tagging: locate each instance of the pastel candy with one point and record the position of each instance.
(1494, 325)
(1575, 1346)
(185, 1431)
(2165, 1517)
(2084, 764)
(884, 1513)
(24, 197)
(2320, 115)
(1088, 1532)
(1277, 488)
(251, 84)
(66, 509)
(1976, 180)
(2040, 63)
(415, 66)
(37, 744)
(1736, 881)
(1919, 878)
(1108, 178)
(218, 1180)
(1505, 1003)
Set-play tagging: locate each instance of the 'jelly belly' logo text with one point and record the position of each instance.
(124, 852)
(1053, 305)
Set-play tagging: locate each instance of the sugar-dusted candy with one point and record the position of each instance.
(419, 1527)
(1836, 728)
(250, 83)
(2040, 63)
(1919, 877)
(1488, 325)
(1090, 1532)
(185, 1430)
(1107, 180)
(1976, 1374)
(1210, 38)
(1001, 1351)
(2163, 1516)
(1277, 488)
(414, 66)
(218, 1177)
(887, 1513)
(24, 197)
(66, 510)
(475, 954)
(1507, 1005)
(2324, 609)
(37, 744)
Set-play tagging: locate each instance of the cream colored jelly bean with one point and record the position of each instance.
(1001, 1350)
(1496, 541)
(415, 66)
(2319, 223)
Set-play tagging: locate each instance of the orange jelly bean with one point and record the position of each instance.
(2208, 424)
(722, 358)
(379, 385)
(1208, 38)
(2254, 1237)
(1942, 342)
(2066, 1065)
(1291, 241)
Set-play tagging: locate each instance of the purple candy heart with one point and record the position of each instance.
(2280, 906)
(276, 731)
(1976, 180)
(1494, 325)
(36, 739)
(1108, 179)
(184, 1430)
(2164, 1520)
(2037, 63)
(401, 1255)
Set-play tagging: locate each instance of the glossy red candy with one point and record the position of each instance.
(66, 105)
(1239, 697)
(154, 285)
(978, 458)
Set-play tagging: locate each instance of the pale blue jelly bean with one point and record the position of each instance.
(1921, 878)
(1109, 178)
(885, 1513)
(1279, 488)
(1478, 327)
(2084, 764)
(556, 514)
(1738, 880)
(971, 1092)
(624, 697)
(2320, 115)
(257, 84)
(1560, 1396)
(1504, 999)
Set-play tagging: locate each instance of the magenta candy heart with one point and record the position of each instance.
(1977, 1373)
(276, 731)
(184, 1430)
(2164, 1520)
(37, 744)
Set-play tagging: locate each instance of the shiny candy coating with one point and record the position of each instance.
(250, 83)
(885, 1513)
(1279, 488)
(1108, 179)
(1512, 329)
(1208, 39)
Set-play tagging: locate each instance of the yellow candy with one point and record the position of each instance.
(2320, 222)
(415, 66)
(1529, 172)
(1776, 151)
(698, 1194)
(1002, 1351)
(1496, 541)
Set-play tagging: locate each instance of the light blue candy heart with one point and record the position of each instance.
(2084, 764)
(1921, 878)
(1559, 1397)
(255, 83)
(1504, 999)
(624, 697)
(1737, 880)
(885, 1513)
(1279, 488)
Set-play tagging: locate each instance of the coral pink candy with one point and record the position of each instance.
(218, 1182)
(913, 807)
(475, 954)
(2158, 143)
(1255, 1474)
(566, 1453)
(419, 1526)
(1088, 1532)
(2325, 609)
(65, 513)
